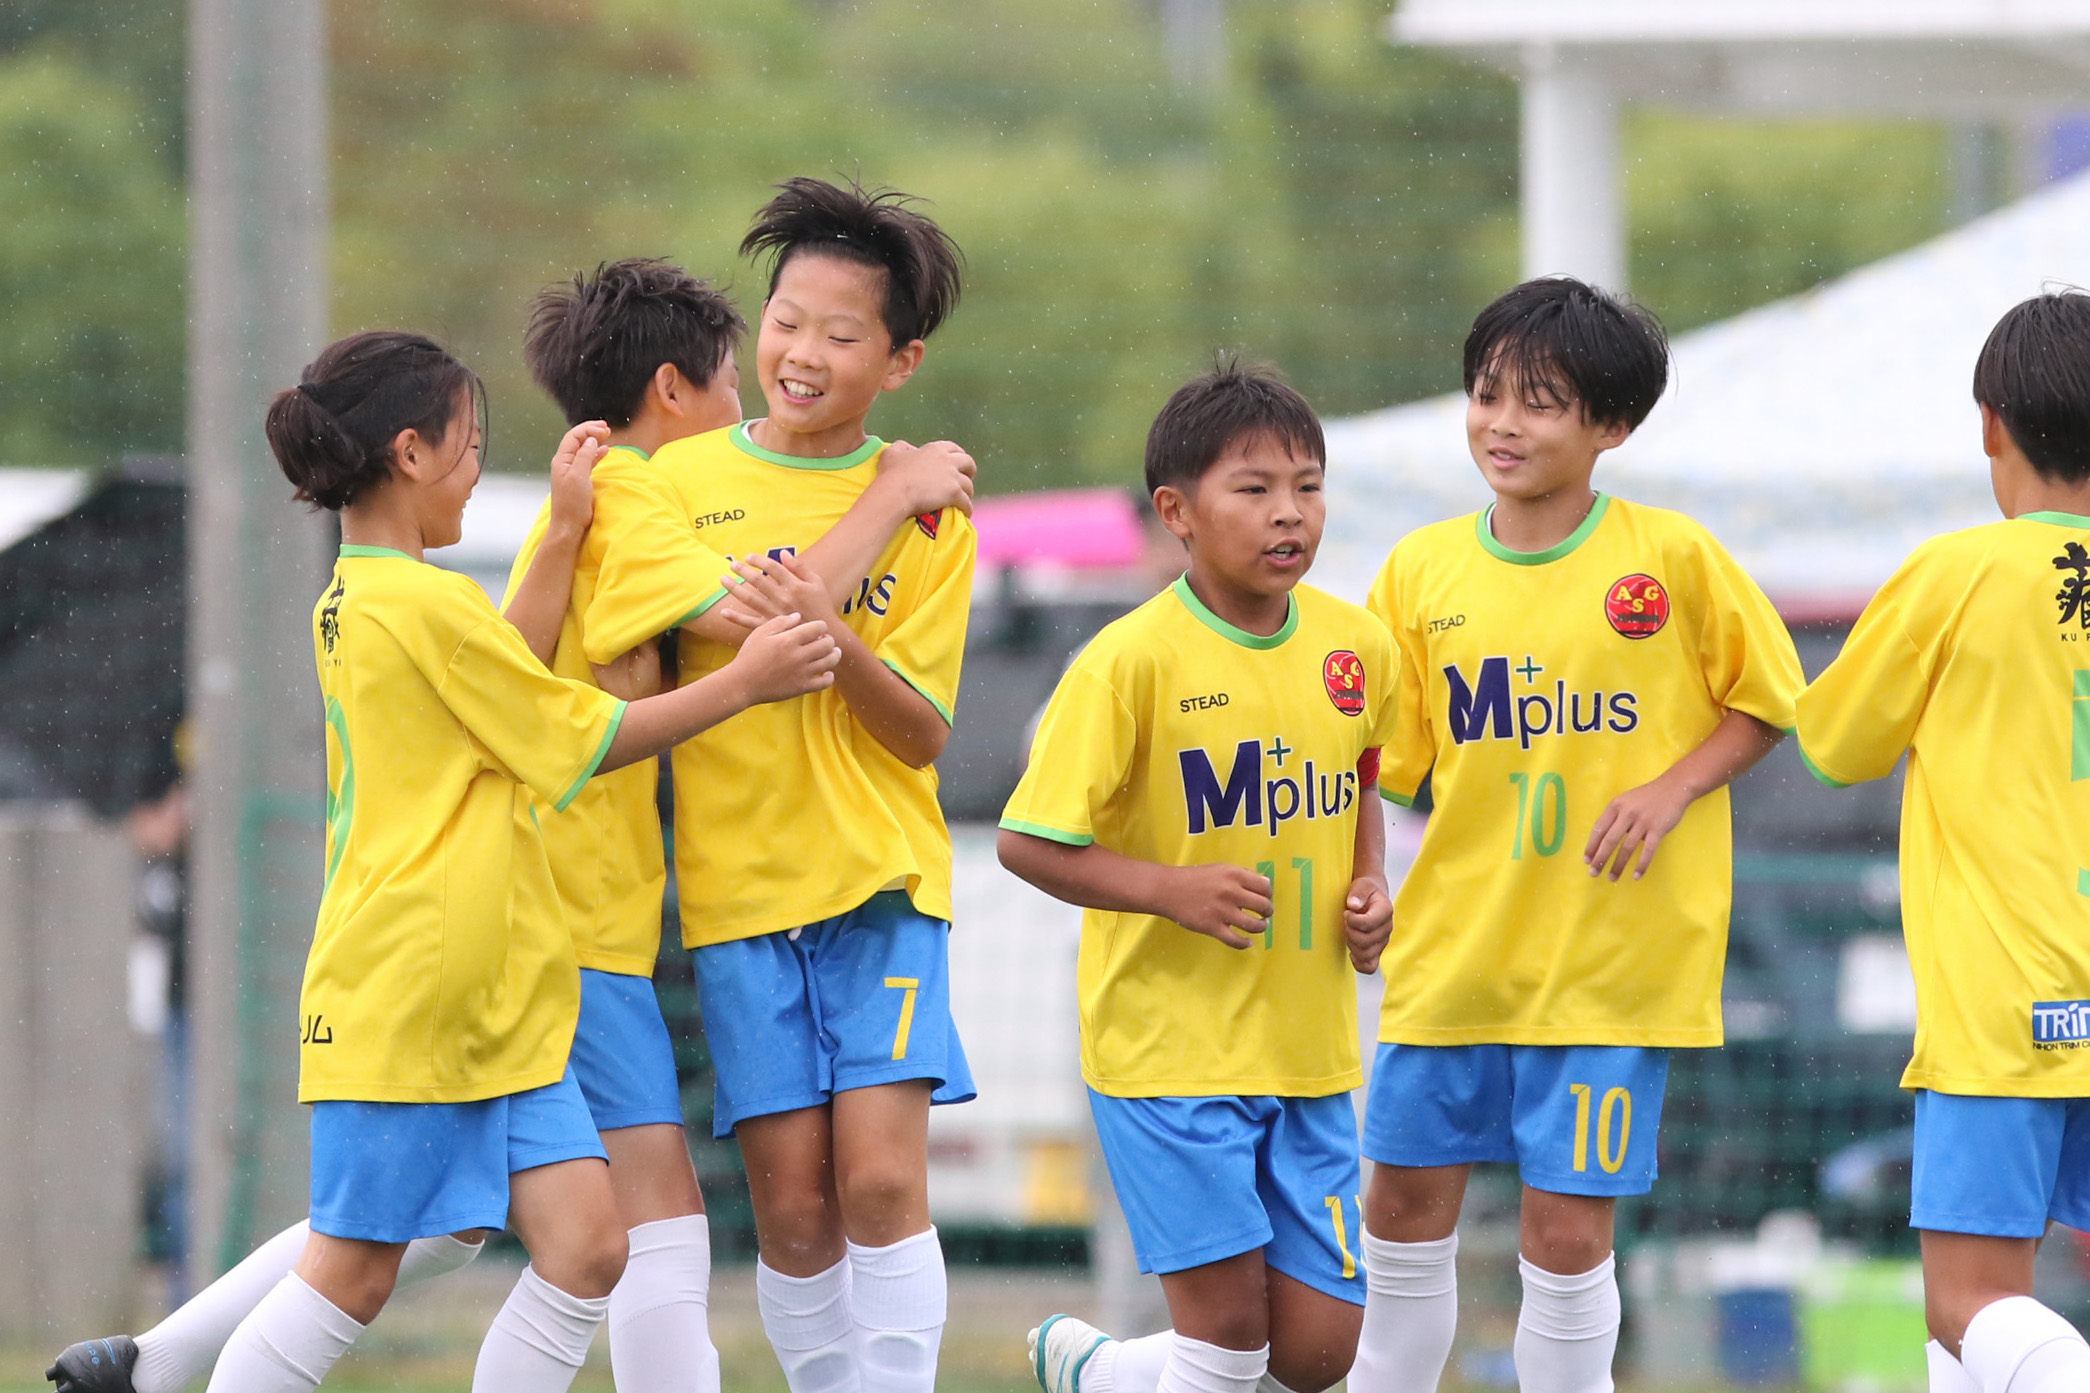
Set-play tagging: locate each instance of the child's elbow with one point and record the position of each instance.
(926, 744)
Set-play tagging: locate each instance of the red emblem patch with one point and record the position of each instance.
(928, 522)
(1637, 606)
(1343, 673)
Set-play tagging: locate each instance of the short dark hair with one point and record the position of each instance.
(878, 228)
(595, 342)
(2034, 373)
(1608, 356)
(1208, 414)
(332, 433)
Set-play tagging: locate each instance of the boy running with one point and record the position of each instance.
(1198, 785)
(1974, 660)
(1580, 673)
(813, 862)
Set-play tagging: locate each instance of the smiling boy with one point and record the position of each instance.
(1580, 673)
(1198, 785)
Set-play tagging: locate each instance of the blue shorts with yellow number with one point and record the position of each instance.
(1202, 1179)
(1577, 1119)
(394, 1172)
(2000, 1167)
(623, 1058)
(861, 999)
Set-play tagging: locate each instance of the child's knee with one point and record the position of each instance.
(589, 1263)
(1566, 1239)
(879, 1188)
(1314, 1363)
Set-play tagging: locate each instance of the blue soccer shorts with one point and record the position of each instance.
(2000, 1167)
(850, 1002)
(622, 1056)
(394, 1172)
(1577, 1119)
(1201, 1179)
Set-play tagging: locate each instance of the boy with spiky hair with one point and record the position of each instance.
(1579, 671)
(812, 858)
(1198, 785)
(1974, 661)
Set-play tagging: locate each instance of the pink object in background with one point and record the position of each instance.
(1076, 528)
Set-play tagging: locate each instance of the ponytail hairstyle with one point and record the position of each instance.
(332, 433)
(877, 228)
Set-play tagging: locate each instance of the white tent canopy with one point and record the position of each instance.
(1820, 437)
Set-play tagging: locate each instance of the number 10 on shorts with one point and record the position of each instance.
(1616, 1112)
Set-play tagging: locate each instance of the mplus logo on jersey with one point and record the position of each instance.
(1486, 707)
(1258, 792)
(2061, 1025)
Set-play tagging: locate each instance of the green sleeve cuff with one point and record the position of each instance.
(609, 737)
(1050, 834)
(941, 709)
(1398, 800)
(1816, 770)
(702, 607)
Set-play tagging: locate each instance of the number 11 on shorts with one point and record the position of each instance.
(907, 987)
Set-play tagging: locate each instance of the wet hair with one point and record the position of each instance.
(878, 228)
(1606, 356)
(332, 433)
(2034, 373)
(595, 342)
(1209, 414)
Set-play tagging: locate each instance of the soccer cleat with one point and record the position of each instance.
(95, 1366)
(1060, 1349)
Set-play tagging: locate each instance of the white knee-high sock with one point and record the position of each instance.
(2016, 1345)
(660, 1318)
(180, 1349)
(810, 1327)
(286, 1344)
(1947, 1375)
(1128, 1366)
(1196, 1367)
(1567, 1330)
(539, 1339)
(899, 1298)
(1411, 1312)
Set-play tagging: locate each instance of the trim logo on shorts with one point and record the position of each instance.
(1342, 672)
(1637, 606)
(2061, 1023)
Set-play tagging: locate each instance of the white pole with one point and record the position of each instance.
(1574, 216)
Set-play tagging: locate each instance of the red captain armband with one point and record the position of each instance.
(1368, 768)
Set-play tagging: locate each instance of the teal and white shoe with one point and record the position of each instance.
(1060, 1348)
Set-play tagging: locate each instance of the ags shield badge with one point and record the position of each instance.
(1343, 674)
(1637, 606)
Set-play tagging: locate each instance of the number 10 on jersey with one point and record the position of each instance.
(1542, 808)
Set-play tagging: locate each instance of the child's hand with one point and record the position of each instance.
(1367, 922)
(1637, 819)
(633, 676)
(928, 477)
(573, 494)
(1218, 901)
(786, 657)
(773, 586)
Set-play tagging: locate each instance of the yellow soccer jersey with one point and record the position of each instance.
(441, 970)
(1177, 738)
(1975, 659)
(605, 849)
(1535, 688)
(790, 812)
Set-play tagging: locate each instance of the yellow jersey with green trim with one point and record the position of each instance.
(441, 969)
(1179, 739)
(1974, 660)
(791, 812)
(605, 848)
(1535, 688)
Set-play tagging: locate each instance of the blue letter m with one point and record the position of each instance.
(1244, 786)
(1472, 709)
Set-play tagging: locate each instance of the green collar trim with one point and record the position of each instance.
(630, 449)
(871, 446)
(1553, 553)
(2058, 519)
(347, 550)
(1227, 631)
